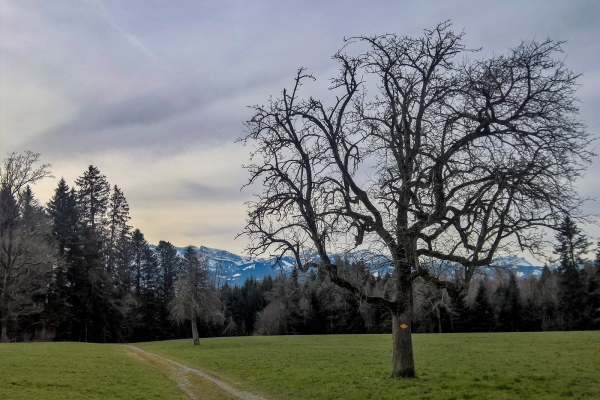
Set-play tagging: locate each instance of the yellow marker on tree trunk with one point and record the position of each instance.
(403, 326)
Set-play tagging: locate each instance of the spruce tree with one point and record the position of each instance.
(508, 297)
(98, 307)
(139, 249)
(118, 216)
(572, 243)
(482, 312)
(572, 246)
(93, 197)
(149, 295)
(461, 318)
(594, 292)
(169, 262)
(62, 208)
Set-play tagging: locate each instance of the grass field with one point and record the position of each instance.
(450, 366)
(548, 365)
(79, 371)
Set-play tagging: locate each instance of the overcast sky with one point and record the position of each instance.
(155, 92)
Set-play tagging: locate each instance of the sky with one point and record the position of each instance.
(155, 92)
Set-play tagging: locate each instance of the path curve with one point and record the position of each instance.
(228, 388)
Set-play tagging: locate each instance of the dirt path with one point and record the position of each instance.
(195, 383)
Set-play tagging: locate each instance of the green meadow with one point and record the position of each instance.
(545, 365)
(79, 371)
(549, 365)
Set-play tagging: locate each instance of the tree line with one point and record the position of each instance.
(562, 298)
(74, 269)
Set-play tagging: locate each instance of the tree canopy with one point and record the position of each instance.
(423, 154)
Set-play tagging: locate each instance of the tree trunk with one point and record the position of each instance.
(195, 332)
(403, 362)
(4, 318)
(4, 334)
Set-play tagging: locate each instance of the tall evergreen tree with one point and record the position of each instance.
(93, 197)
(594, 292)
(98, 311)
(62, 208)
(150, 295)
(74, 289)
(482, 312)
(123, 282)
(508, 297)
(139, 249)
(572, 246)
(169, 262)
(117, 216)
(572, 243)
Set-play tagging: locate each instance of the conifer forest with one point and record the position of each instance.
(75, 270)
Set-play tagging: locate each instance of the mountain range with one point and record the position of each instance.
(235, 269)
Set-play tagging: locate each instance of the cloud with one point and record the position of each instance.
(202, 192)
(154, 93)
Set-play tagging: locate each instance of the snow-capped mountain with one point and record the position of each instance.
(235, 269)
(518, 266)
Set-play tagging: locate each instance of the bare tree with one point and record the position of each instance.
(24, 254)
(195, 293)
(26, 257)
(18, 171)
(422, 154)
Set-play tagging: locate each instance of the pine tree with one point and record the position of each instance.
(508, 297)
(71, 284)
(572, 245)
(461, 318)
(99, 312)
(125, 299)
(118, 216)
(295, 275)
(139, 248)
(66, 285)
(169, 262)
(93, 198)
(594, 292)
(62, 208)
(149, 295)
(482, 312)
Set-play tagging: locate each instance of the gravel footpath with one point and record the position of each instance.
(185, 369)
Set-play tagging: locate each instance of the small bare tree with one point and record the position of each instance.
(20, 170)
(195, 293)
(423, 155)
(25, 256)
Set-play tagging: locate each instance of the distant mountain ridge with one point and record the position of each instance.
(519, 266)
(235, 269)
